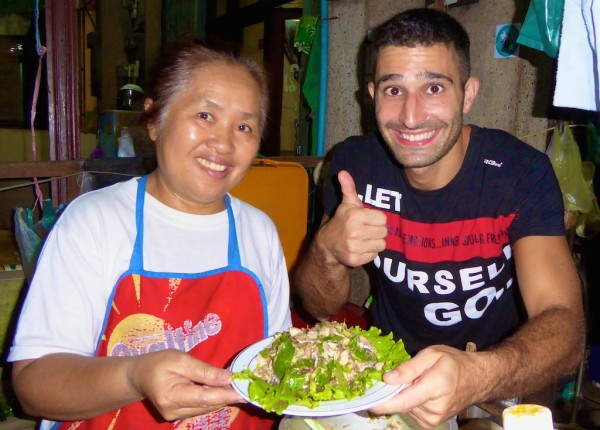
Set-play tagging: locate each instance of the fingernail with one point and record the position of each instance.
(224, 375)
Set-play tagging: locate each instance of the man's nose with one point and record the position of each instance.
(412, 112)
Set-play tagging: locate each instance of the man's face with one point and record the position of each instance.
(419, 101)
(208, 138)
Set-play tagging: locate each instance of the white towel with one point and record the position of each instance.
(577, 83)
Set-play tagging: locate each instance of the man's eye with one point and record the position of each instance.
(205, 116)
(392, 91)
(435, 89)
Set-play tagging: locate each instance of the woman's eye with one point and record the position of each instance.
(392, 91)
(205, 116)
(435, 89)
(245, 128)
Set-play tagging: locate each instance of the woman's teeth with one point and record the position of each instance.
(210, 165)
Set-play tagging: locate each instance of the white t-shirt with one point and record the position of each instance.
(90, 247)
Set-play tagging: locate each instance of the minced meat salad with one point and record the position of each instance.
(329, 361)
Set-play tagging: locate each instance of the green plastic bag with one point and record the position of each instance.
(566, 161)
(30, 236)
(593, 152)
(306, 33)
(588, 223)
(542, 26)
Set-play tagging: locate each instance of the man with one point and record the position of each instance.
(462, 229)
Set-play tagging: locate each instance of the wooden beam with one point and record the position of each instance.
(63, 85)
(63, 79)
(40, 169)
(67, 169)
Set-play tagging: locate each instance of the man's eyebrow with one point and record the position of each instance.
(389, 77)
(421, 75)
(434, 75)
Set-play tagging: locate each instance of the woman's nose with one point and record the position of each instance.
(221, 139)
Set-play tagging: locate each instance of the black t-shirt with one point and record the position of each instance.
(447, 275)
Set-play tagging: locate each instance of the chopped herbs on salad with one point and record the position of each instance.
(329, 361)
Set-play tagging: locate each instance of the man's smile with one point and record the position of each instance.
(421, 138)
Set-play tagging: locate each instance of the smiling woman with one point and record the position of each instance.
(174, 275)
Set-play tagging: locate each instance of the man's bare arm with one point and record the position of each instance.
(551, 342)
(321, 280)
(446, 380)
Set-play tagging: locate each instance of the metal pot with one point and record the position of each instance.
(130, 97)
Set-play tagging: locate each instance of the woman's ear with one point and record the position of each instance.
(150, 125)
(148, 104)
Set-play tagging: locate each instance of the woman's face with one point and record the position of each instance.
(207, 140)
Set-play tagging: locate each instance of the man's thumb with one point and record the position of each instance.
(349, 189)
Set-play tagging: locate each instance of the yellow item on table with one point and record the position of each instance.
(527, 417)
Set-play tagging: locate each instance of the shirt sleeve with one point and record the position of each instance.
(540, 208)
(279, 298)
(63, 308)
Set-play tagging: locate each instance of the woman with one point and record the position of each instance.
(147, 289)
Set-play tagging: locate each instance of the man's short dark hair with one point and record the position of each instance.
(425, 27)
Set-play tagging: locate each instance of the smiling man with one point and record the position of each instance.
(461, 228)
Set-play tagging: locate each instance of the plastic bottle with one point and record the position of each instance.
(125, 144)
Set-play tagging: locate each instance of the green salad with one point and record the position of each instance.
(329, 361)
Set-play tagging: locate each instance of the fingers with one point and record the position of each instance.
(181, 386)
(409, 371)
(426, 420)
(205, 374)
(192, 400)
(425, 407)
(432, 394)
(349, 195)
(418, 377)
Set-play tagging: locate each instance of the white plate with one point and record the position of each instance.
(361, 421)
(379, 392)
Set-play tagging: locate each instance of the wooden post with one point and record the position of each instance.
(63, 85)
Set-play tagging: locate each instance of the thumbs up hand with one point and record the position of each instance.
(349, 193)
(355, 234)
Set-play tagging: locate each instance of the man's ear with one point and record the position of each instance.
(471, 89)
(371, 87)
(151, 125)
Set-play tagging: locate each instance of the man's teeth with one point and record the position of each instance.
(417, 137)
(210, 165)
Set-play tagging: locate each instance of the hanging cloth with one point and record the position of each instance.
(312, 85)
(577, 77)
(542, 25)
